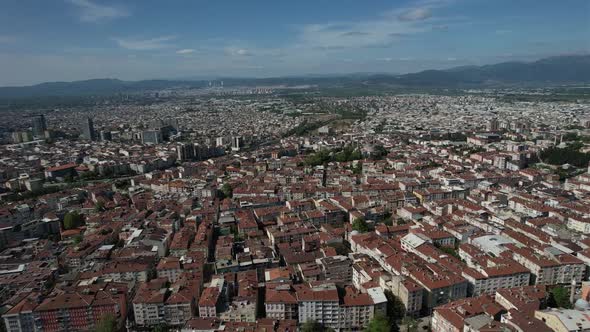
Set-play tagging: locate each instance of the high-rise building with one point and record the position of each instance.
(493, 125)
(88, 129)
(39, 125)
(17, 137)
(106, 135)
(237, 143)
(27, 136)
(172, 122)
(152, 137)
(220, 141)
(185, 151)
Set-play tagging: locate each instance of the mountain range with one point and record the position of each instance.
(573, 69)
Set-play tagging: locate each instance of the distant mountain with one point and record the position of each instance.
(101, 87)
(554, 70)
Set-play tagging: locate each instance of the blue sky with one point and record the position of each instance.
(64, 40)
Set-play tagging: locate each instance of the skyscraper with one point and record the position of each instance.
(152, 137)
(88, 129)
(185, 151)
(493, 125)
(39, 125)
(237, 143)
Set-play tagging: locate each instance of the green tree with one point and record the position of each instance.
(380, 152)
(450, 251)
(568, 155)
(313, 326)
(77, 239)
(161, 328)
(99, 206)
(396, 309)
(387, 219)
(72, 219)
(559, 298)
(358, 169)
(379, 323)
(360, 225)
(107, 323)
(411, 324)
(227, 191)
(341, 248)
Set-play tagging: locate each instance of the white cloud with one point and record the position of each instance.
(236, 51)
(416, 14)
(380, 32)
(185, 51)
(92, 12)
(145, 44)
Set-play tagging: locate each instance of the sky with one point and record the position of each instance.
(66, 40)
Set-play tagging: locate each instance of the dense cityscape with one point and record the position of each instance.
(295, 166)
(257, 211)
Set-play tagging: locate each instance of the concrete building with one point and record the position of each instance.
(410, 293)
(152, 137)
(39, 125)
(87, 129)
(338, 268)
(564, 320)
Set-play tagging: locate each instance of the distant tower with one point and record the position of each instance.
(185, 151)
(39, 125)
(493, 125)
(88, 129)
(105, 135)
(237, 143)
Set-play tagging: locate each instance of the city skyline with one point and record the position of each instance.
(84, 39)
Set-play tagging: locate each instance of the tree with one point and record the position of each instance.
(410, 323)
(313, 326)
(72, 219)
(396, 309)
(227, 190)
(379, 323)
(161, 328)
(360, 225)
(387, 219)
(107, 323)
(568, 155)
(77, 239)
(341, 248)
(379, 152)
(559, 298)
(358, 169)
(450, 251)
(99, 206)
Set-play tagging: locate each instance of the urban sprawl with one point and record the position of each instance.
(258, 211)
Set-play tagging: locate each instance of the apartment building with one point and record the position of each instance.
(155, 303)
(280, 302)
(81, 308)
(410, 293)
(351, 309)
(550, 269)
